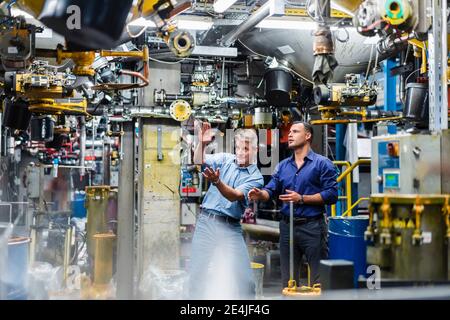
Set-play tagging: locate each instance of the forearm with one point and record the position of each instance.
(199, 154)
(229, 193)
(313, 199)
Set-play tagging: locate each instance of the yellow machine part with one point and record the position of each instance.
(395, 11)
(23, 88)
(347, 5)
(103, 265)
(302, 13)
(180, 110)
(143, 8)
(50, 106)
(83, 61)
(33, 7)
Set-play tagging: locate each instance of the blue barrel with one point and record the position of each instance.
(78, 208)
(15, 278)
(346, 241)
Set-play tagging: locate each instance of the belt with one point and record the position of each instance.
(221, 218)
(301, 220)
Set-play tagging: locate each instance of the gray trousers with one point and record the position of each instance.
(310, 239)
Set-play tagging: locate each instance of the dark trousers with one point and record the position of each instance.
(311, 239)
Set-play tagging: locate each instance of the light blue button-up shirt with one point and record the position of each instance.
(240, 178)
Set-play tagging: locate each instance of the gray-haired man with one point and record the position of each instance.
(218, 234)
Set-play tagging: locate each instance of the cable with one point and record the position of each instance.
(138, 34)
(406, 80)
(261, 55)
(258, 54)
(300, 76)
(370, 61)
(166, 62)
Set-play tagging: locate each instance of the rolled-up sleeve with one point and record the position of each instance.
(253, 182)
(274, 185)
(328, 181)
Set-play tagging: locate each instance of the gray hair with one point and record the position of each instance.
(247, 135)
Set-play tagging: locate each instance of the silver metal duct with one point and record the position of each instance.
(247, 25)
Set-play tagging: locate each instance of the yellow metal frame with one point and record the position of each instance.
(302, 13)
(330, 112)
(50, 106)
(347, 174)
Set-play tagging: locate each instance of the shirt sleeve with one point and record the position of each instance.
(274, 185)
(328, 182)
(255, 181)
(215, 161)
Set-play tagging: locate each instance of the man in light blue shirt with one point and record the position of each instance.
(218, 239)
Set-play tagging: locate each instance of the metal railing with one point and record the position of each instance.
(347, 174)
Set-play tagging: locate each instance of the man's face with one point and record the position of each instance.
(244, 152)
(298, 136)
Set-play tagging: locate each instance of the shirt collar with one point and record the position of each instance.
(250, 169)
(310, 156)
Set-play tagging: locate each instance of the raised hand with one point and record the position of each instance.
(211, 175)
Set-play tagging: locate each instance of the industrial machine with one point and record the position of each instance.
(409, 218)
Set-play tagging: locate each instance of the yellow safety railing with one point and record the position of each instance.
(347, 174)
(349, 211)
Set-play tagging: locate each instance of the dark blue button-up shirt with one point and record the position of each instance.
(316, 175)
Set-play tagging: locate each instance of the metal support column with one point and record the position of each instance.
(390, 85)
(340, 155)
(125, 230)
(437, 40)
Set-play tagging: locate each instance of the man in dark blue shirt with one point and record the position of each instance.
(309, 181)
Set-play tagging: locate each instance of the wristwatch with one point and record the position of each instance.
(301, 200)
(216, 182)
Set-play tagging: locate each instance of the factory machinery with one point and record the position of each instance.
(97, 176)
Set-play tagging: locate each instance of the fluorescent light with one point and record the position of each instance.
(288, 23)
(221, 6)
(183, 23)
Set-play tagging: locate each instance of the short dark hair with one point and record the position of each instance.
(308, 128)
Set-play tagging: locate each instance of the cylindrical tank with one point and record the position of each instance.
(346, 241)
(416, 104)
(352, 55)
(103, 267)
(13, 279)
(16, 114)
(78, 208)
(97, 199)
(263, 118)
(278, 87)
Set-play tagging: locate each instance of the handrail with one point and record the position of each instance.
(348, 186)
(354, 205)
(353, 166)
(347, 174)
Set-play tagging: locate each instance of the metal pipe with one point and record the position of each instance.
(82, 145)
(291, 240)
(125, 230)
(259, 15)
